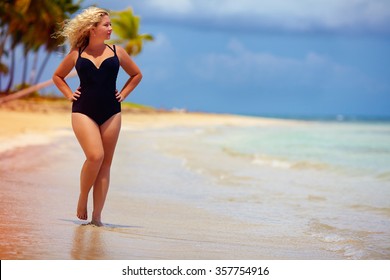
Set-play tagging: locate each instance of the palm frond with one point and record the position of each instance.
(126, 28)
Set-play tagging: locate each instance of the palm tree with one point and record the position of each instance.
(11, 34)
(53, 12)
(126, 27)
(30, 24)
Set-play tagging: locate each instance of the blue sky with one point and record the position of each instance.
(259, 57)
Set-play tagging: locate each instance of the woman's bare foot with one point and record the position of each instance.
(96, 223)
(82, 212)
(96, 220)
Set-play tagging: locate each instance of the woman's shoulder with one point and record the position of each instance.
(73, 52)
(72, 55)
(120, 51)
(113, 47)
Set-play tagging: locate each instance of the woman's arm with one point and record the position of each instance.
(131, 69)
(62, 71)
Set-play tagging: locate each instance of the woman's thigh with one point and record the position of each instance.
(88, 134)
(110, 132)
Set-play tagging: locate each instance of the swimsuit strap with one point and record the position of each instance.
(113, 49)
(81, 50)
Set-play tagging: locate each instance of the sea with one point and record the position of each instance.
(322, 184)
(324, 180)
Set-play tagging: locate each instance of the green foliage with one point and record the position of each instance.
(30, 23)
(126, 27)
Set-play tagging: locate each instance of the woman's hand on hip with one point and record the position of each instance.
(76, 94)
(118, 96)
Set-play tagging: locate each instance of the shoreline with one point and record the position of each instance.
(37, 121)
(40, 161)
(177, 193)
(38, 221)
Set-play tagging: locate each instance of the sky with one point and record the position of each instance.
(263, 57)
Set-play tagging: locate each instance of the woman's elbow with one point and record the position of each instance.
(58, 80)
(140, 76)
(55, 78)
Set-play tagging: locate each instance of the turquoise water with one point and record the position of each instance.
(322, 182)
(354, 148)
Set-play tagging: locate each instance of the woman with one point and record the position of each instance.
(96, 117)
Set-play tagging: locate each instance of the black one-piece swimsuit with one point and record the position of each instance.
(98, 85)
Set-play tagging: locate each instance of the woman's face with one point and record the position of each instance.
(103, 29)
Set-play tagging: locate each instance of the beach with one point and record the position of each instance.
(188, 186)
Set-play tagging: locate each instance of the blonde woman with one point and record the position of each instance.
(96, 117)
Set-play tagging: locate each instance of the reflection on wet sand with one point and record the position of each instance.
(88, 243)
(92, 243)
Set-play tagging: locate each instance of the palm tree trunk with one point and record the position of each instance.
(26, 91)
(3, 41)
(33, 73)
(25, 66)
(11, 72)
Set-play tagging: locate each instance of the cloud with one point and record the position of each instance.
(240, 67)
(297, 16)
(172, 6)
(257, 81)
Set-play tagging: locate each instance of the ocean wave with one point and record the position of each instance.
(282, 163)
(272, 162)
(287, 164)
(350, 243)
(385, 176)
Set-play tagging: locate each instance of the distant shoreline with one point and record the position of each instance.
(36, 120)
(324, 118)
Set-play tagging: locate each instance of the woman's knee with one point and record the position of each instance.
(96, 157)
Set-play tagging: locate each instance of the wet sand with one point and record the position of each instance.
(38, 220)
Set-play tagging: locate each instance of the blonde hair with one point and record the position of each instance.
(76, 30)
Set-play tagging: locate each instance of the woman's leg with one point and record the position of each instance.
(88, 135)
(109, 132)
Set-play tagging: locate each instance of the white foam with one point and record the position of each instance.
(273, 163)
